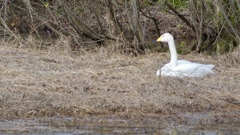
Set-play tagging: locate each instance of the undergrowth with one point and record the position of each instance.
(51, 82)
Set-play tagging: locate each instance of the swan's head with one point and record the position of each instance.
(167, 37)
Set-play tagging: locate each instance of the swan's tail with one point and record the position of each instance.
(210, 66)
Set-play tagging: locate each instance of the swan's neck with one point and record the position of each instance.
(173, 52)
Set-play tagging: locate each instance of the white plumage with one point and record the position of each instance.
(181, 68)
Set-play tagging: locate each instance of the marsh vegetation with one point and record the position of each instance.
(97, 59)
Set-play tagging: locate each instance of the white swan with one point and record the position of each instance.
(181, 68)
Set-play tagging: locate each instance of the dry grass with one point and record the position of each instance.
(51, 83)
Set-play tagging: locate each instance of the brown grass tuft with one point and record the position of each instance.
(36, 83)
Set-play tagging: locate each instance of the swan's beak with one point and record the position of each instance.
(159, 39)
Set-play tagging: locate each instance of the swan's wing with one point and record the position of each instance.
(183, 62)
(186, 69)
(193, 70)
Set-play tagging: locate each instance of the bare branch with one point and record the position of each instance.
(150, 16)
(180, 16)
(80, 26)
(228, 21)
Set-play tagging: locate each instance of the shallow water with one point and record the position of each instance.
(194, 124)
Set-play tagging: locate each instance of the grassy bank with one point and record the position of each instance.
(40, 83)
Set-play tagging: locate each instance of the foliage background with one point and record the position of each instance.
(128, 25)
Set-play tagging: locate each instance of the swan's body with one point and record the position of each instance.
(181, 68)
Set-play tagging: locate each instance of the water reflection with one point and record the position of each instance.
(109, 126)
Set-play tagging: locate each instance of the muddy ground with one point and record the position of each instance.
(50, 83)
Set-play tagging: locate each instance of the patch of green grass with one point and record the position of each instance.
(179, 4)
